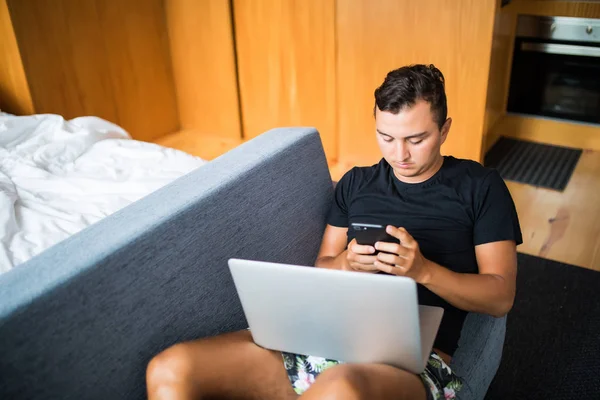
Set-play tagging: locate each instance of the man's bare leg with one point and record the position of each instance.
(229, 366)
(366, 381)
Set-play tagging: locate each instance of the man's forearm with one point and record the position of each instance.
(328, 262)
(482, 293)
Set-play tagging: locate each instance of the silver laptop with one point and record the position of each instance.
(340, 315)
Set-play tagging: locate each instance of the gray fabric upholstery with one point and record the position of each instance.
(82, 319)
(479, 353)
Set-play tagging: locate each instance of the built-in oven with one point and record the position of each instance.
(556, 68)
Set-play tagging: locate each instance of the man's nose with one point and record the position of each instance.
(402, 152)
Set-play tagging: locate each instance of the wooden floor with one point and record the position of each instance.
(562, 226)
(202, 146)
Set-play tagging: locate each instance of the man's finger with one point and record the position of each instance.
(363, 267)
(364, 259)
(390, 269)
(362, 249)
(393, 248)
(391, 259)
(401, 234)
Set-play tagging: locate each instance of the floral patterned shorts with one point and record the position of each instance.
(439, 380)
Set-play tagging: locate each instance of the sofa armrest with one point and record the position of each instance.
(479, 353)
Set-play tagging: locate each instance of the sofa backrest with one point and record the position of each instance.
(82, 319)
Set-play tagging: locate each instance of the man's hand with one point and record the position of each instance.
(404, 259)
(491, 291)
(360, 258)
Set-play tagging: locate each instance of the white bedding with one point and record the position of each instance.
(57, 177)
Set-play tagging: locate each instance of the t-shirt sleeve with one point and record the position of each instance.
(496, 216)
(338, 213)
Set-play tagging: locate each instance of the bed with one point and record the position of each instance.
(58, 177)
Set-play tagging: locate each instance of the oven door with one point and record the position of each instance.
(556, 78)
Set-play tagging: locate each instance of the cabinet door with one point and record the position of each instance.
(286, 66)
(203, 56)
(108, 58)
(377, 36)
(14, 94)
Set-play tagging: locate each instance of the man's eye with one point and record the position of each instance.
(416, 141)
(387, 139)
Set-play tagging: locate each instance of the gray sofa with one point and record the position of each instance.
(82, 319)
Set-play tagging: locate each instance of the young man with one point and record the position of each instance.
(458, 232)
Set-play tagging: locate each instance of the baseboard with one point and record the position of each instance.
(550, 131)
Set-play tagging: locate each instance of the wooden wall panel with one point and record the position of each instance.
(14, 91)
(499, 75)
(108, 58)
(204, 67)
(286, 65)
(375, 37)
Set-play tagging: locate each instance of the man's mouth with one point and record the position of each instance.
(403, 164)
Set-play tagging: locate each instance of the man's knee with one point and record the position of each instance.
(343, 381)
(171, 366)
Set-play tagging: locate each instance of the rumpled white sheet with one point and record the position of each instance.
(57, 177)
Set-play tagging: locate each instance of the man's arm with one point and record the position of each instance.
(334, 254)
(492, 291)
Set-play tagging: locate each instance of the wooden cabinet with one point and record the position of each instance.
(154, 67)
(108, 58)
(286, 66)
(14, 91)
(204, 67)
(221, 72)
(317, 62)
(375, 37)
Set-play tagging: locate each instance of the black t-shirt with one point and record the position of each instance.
(463, 205)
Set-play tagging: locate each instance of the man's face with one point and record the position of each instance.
(410, 141)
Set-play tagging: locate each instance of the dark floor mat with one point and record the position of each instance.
(533, 163)
(552, 346)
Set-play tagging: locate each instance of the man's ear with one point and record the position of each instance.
(445, 129)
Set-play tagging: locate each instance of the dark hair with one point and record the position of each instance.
(403, 87)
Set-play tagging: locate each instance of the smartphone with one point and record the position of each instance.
(369, 234)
